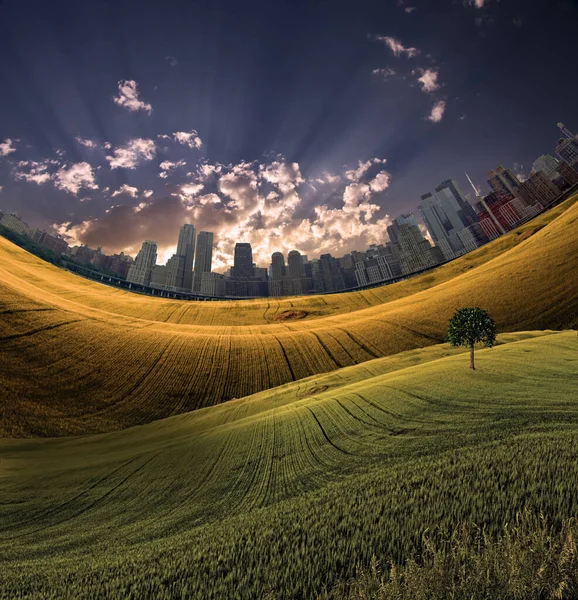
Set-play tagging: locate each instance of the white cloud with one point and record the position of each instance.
(126, 189)
(86, 143)
(380, 182)
(429, 80)
(410, 9)
(171, 60)
(190, 138)
(476, 3)
(437, 112)
(147, 193)
(128, 96)
(1, 187)
(130, 155)
(385, 74)
(362, 168)
(72, 179)
(397, 47)
(167, 166)
(34, 172)
(7, 147)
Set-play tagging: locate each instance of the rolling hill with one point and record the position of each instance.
(287, 491)
(79, 357)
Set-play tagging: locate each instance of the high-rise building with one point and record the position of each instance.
(503, 181)
(393, 229)
(140, 272)
(567, 149)
(277, 266)
(212, 284)
(548, 165)
(538, 190)
(295, 265)
(203, 258)
(14, 223)
(449, 193)
(416, 253)
(243, 261)
(566, 131)
(180, 265)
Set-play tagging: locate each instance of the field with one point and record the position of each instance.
(79, 357)
(288, 491)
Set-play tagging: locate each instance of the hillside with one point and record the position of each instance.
(79, 357)
(289, 490)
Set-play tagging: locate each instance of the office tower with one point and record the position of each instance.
(203, 257)
(449, 193)
(180, 265)
(140, 272)
(14, 223)
(567, 150)
(393, 229)
(416, 253)
(568, 174)
(566, 131)
(243, 261)
(538, 190)
(295, 265)
(331, 273)
(212, 284)
(503, 181)
(499, 213)
(548, 165)
(277, 266)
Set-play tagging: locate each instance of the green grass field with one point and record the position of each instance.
(288, 491)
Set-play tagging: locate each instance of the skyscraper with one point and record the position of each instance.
(140, 271)
(548, 165)
(277, 266)
(180, 265)
(295, 264)
(393, 229)
(567, 149)
(203, 258)
(503, 181)
(450, 191)
(243, 262)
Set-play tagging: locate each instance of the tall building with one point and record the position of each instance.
(416, 253)
(243, 261)
(548, 165)
(212, 284)
(393, 229)
(277, 266)
(180, 265)
(566, 131)
(295, 265)
(14, 223)
(449, 193)
(538, 190)
(203, 258)
(567, 149)
(503, 181)
(140, 272)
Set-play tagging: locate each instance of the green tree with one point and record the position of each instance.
(470, 326)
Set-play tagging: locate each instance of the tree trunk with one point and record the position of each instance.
(472, 357)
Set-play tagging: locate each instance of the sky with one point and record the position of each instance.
(297, 124)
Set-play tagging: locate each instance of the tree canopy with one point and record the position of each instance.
(470, 326)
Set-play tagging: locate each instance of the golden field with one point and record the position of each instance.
(80, 357)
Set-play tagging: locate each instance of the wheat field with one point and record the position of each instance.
(80, 357)
(288, 491)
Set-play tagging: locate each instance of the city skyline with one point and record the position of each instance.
(308, 135)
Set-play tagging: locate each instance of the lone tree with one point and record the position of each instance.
(469, 326)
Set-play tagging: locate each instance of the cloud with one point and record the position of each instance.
(518, 22)
(397, 47)
(72, 179)
(69, 179)
(476, 3)
(380, 182)
(1, 187)
(437, 112)
(385, 74)
(410, 9)
(190, 138)
(362, 168)
(130, 155)
(171, 60)
(258, 203)
(429, 80)
(126, 189)
(6, 147)
(167, 166)
(519, 172)
(35, 172)
(128, 97)
(86, 143)
(147, 193)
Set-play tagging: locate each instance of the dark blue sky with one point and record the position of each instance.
(260, 79)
